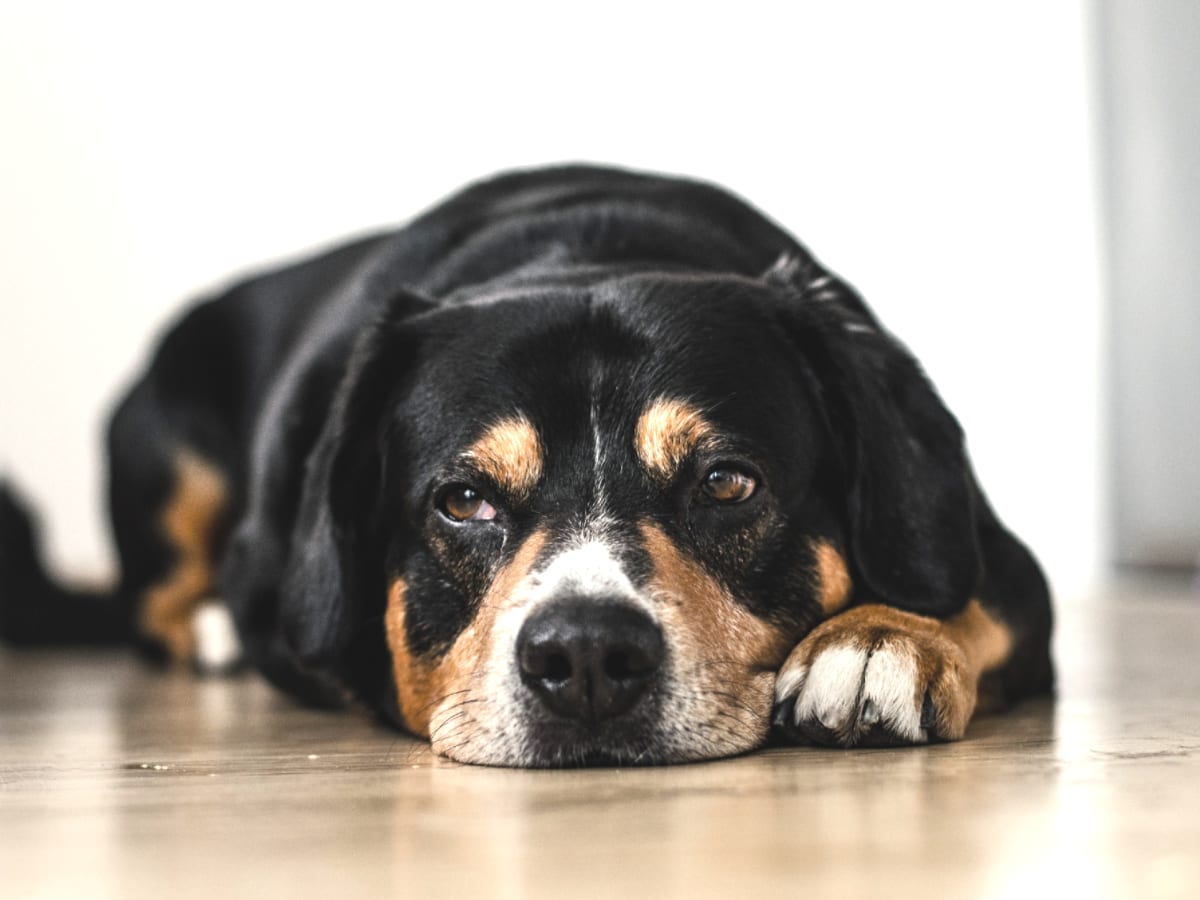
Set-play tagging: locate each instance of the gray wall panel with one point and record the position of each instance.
(1150, 81)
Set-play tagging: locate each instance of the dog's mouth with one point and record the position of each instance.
(643, 740)
(558, 744)
(683, 713)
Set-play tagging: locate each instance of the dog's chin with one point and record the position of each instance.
(558, 745)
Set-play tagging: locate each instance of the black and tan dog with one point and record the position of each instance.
(582, 466)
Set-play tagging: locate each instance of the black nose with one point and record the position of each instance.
(588, 659)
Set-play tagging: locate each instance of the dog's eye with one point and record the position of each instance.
(728, 485)
(464, 504)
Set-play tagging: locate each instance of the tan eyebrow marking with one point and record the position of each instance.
(668, 430)
(510, 453)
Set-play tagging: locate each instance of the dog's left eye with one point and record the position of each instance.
(464, 504)
(728, 485)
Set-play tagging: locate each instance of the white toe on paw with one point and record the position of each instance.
(891, 686)
(216, 641)
(789, 681)
(874, 675)
(830, 694)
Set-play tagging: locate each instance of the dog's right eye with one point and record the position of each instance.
(726, 484)
(464, 504)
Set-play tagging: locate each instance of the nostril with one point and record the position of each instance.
(557, 667)
(545, 661)
(627, 663)
(616, 666)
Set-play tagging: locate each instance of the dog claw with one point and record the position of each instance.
(928, 714)
(784, 716)
(870, 713)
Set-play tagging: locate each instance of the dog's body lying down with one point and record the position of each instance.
(582, 466)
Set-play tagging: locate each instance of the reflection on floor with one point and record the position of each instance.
(119, 782)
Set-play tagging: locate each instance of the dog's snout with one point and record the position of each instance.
(588, 659)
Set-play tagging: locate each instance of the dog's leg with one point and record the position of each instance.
(169, 508)
(877, 675)
(167, 610)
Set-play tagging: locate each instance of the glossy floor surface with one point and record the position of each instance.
(120, 782)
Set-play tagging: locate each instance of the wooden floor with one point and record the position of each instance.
(119, 782)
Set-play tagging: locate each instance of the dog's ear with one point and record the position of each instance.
(910, 506)
(334, 579)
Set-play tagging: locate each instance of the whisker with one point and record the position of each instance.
(459, 746)
(436, 700)
(446, 721)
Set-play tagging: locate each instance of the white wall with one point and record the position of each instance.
(936, 153)
(1151, 122)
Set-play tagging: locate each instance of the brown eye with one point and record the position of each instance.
(728, 485)
(464, 504)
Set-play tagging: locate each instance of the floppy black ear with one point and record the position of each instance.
(334, 580)
(910, 505)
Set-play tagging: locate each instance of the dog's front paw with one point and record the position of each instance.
(875, 676)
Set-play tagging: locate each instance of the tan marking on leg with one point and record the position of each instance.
(424, 686)
(189, 523)
(986, 641)
(510, 453)
(833, 578)
(668, 431)
(723, 651)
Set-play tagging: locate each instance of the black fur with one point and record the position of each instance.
(32, 605)
(329, 391)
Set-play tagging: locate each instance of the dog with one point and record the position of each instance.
(583, 466)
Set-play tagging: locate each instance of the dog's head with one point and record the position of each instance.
(591, 519)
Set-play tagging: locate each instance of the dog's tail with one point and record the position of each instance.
(35, 609)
